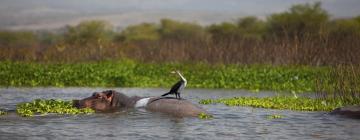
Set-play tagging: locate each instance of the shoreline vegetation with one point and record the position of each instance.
(332, 84)
(296, 79)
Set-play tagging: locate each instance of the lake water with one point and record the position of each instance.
(228, 122)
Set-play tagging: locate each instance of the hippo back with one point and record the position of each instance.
(349, 111)
(176, 107)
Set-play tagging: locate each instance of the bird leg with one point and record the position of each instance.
(178, 94)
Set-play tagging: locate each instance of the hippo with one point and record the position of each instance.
(111, 100)
(349, 111)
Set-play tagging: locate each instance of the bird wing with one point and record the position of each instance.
(182, 86)
(176, 86)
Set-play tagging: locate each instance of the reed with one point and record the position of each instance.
(343, 84)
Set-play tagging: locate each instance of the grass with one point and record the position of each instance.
(40, 106)
(133, 74)
(282, 102)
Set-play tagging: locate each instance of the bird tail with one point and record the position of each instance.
(166, 94)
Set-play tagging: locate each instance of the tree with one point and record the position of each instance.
(251, 27)
(89, 32)
(171, 29)
(343, 28)
(141, 32)
(223, 31)
(17, 38)
(300, 20)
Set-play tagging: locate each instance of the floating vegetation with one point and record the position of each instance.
(41, 106)
(2, 112)
(274, 116)
(283, 102)
(205, 116)
(132, 74)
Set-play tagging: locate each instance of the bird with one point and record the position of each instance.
(178, 87)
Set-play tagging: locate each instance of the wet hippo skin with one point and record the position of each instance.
(349, 111)
(174, 106)
(111, 100)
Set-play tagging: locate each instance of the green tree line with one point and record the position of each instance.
(304, 34)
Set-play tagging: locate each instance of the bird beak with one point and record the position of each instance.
(173, 72)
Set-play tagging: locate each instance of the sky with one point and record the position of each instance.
(51, 14)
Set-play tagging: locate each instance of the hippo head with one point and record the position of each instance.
(99, 101)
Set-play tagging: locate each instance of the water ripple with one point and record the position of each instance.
(228, 122)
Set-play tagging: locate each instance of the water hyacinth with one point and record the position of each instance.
(42, 106)
(282, 102)
(205, 116)
(2, 112)
(133, 74)
(274, 116)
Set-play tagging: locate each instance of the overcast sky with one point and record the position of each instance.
(47, 14)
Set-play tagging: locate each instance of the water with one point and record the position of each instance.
(228, 122)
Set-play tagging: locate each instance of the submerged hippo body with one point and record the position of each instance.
(349, 111)
(111, 100)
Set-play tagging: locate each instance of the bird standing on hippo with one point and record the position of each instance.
(177, 87)
(111, 100)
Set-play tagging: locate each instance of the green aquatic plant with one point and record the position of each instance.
(2, 112)
(42, 106)
(274, 116)
(208, 101)
(205, 116)
(282, 102)
(296, 79)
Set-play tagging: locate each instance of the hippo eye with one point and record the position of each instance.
(96, 95)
